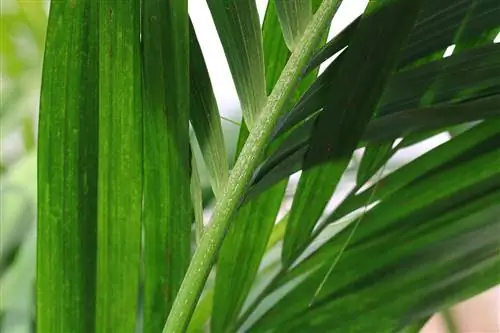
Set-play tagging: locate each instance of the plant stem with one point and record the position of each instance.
(246, 164)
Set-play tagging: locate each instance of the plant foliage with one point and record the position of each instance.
(122, 245)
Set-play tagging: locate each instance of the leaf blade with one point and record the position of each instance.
(120, 166)
(168, 209)
(205, 117)
(67, 172)
(237, 24)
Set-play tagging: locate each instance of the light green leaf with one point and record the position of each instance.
(18, 201)
(205, 117)
(67, 179)
(237, 23)
(278, 232)
(120, 182)
(294, 15)
(168, 210)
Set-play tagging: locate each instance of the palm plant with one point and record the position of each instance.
(120, 224)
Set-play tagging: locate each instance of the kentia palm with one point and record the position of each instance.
(115, 155)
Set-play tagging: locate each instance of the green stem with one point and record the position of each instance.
(250, 156)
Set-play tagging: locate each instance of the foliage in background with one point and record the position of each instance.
(22, 38)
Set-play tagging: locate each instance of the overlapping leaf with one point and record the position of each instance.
(468, 79)
(446, 220)
(344, 118)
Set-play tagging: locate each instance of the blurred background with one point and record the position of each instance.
(22, 34)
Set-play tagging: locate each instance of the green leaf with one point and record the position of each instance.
(312, 100)
(278, 232)
(120, 183)
(341, 125)
(205, 117)
(168, 210)
(294, 15)
(237, 24)
(67, 178)
(415, 124)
